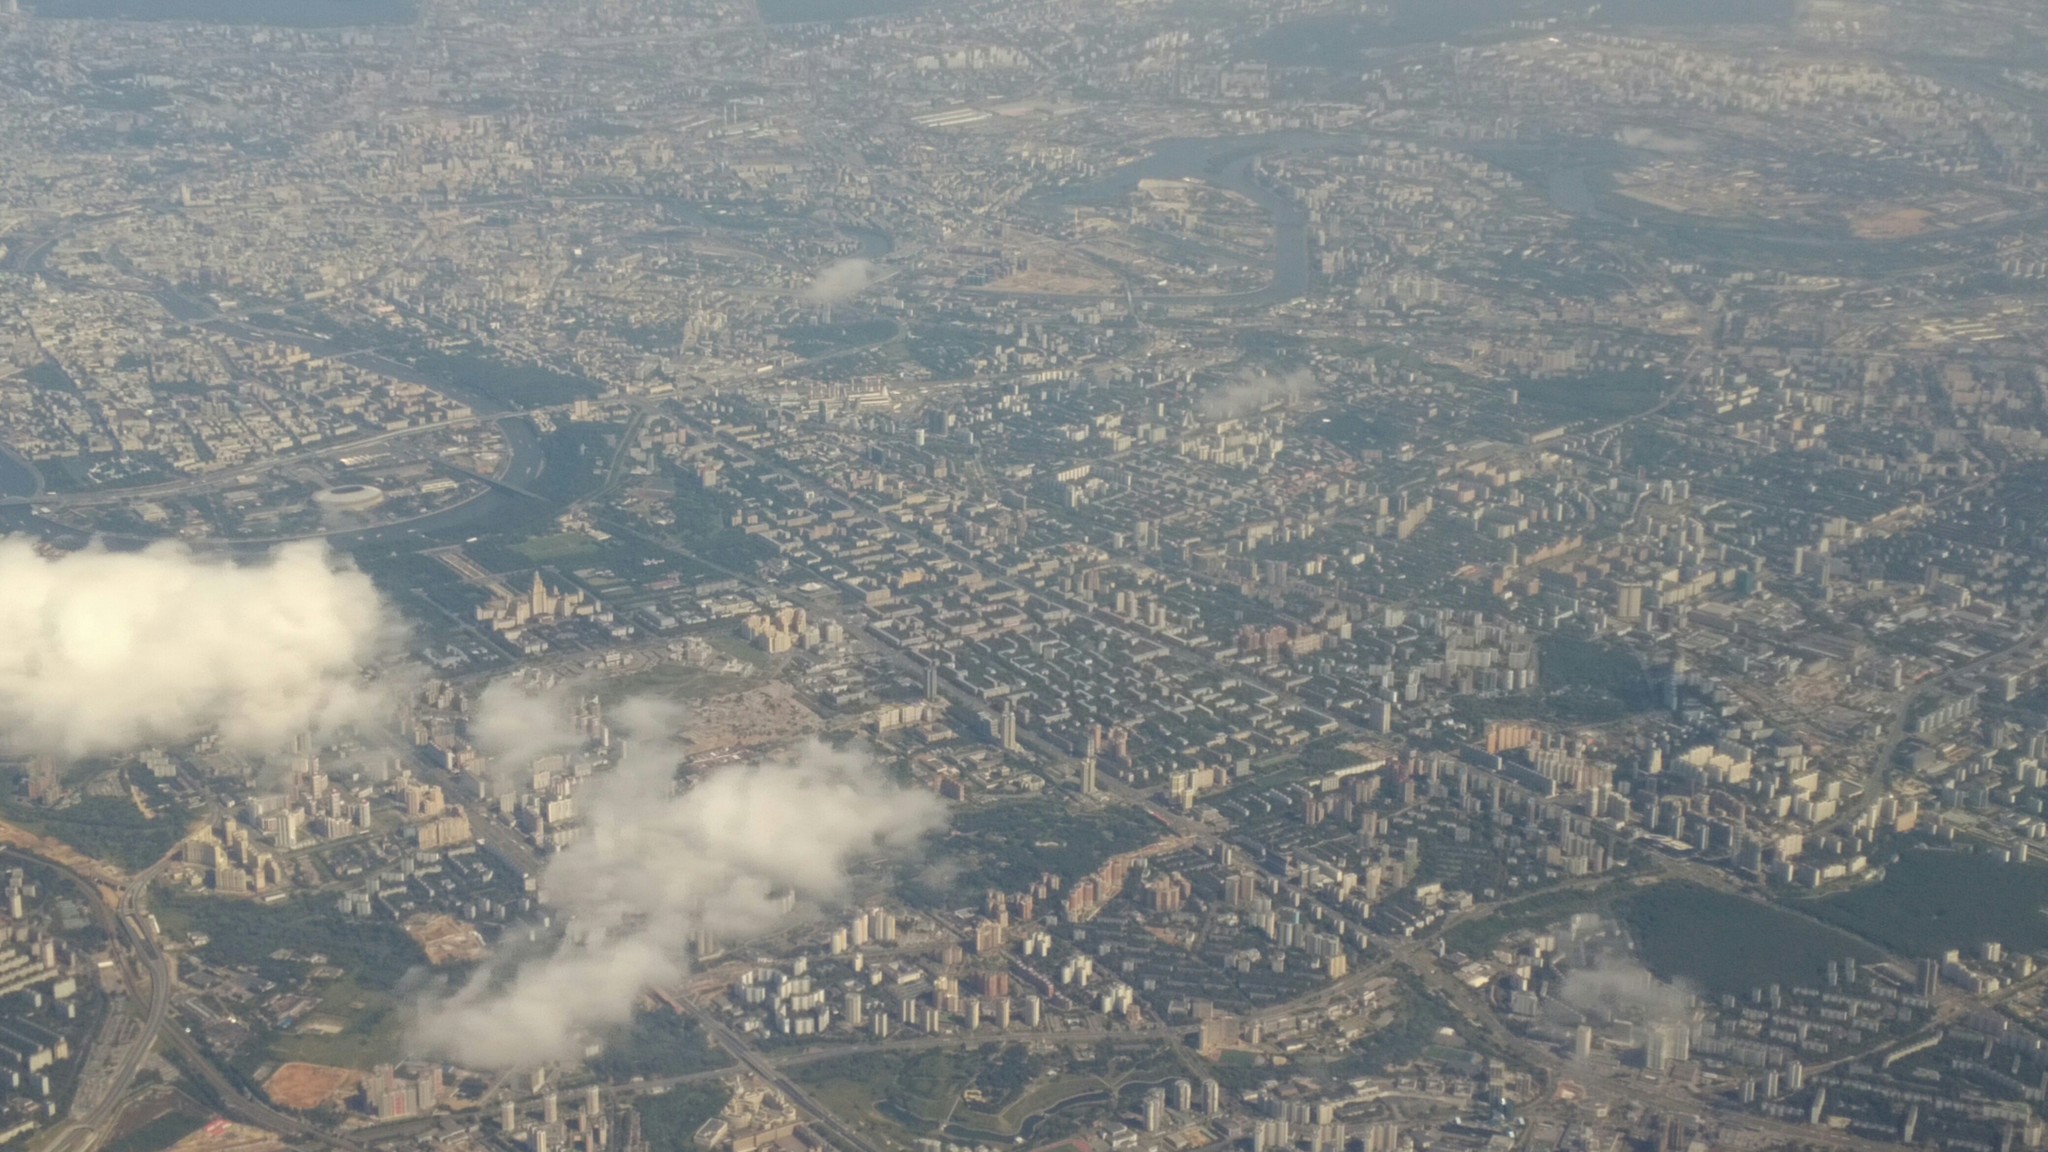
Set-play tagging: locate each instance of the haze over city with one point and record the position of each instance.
(955, 575)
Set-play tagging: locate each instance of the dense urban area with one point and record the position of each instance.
(1067, 575)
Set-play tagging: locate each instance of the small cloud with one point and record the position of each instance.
(1619, 987)
(1651, 140)
(728, 855)
(1253, 391)
(841, 280)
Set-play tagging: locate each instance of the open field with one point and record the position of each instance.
(556, 548)
(371, 1029)
(307, 1086)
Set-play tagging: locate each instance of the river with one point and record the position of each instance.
(526, 453)
(524, 447)
(1566, 176)
(19, 479)
(1224, 162)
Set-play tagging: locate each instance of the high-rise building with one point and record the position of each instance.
(1383, 1136)
(1660, 1048)
(881, 926)
(704, 944)
(1628, 601)
(388, 1096)
(1155, 1110)
(988, 938)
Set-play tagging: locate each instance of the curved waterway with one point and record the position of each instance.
(1223, 162)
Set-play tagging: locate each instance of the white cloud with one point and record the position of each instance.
(841, 280)
(1253, 391)
(513, 725)
(1617, 986)
(104, 651)
(1652, 140)
(655, 866)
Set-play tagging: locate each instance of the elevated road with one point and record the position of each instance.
(143, 964)
(834, 1129)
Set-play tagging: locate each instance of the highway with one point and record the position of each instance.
(1620, 1090)
(1877, 777)
(229, 477)
(143, 963)
(84, 1132)
(835, 1129)
(771, 1069)
(492, 832)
